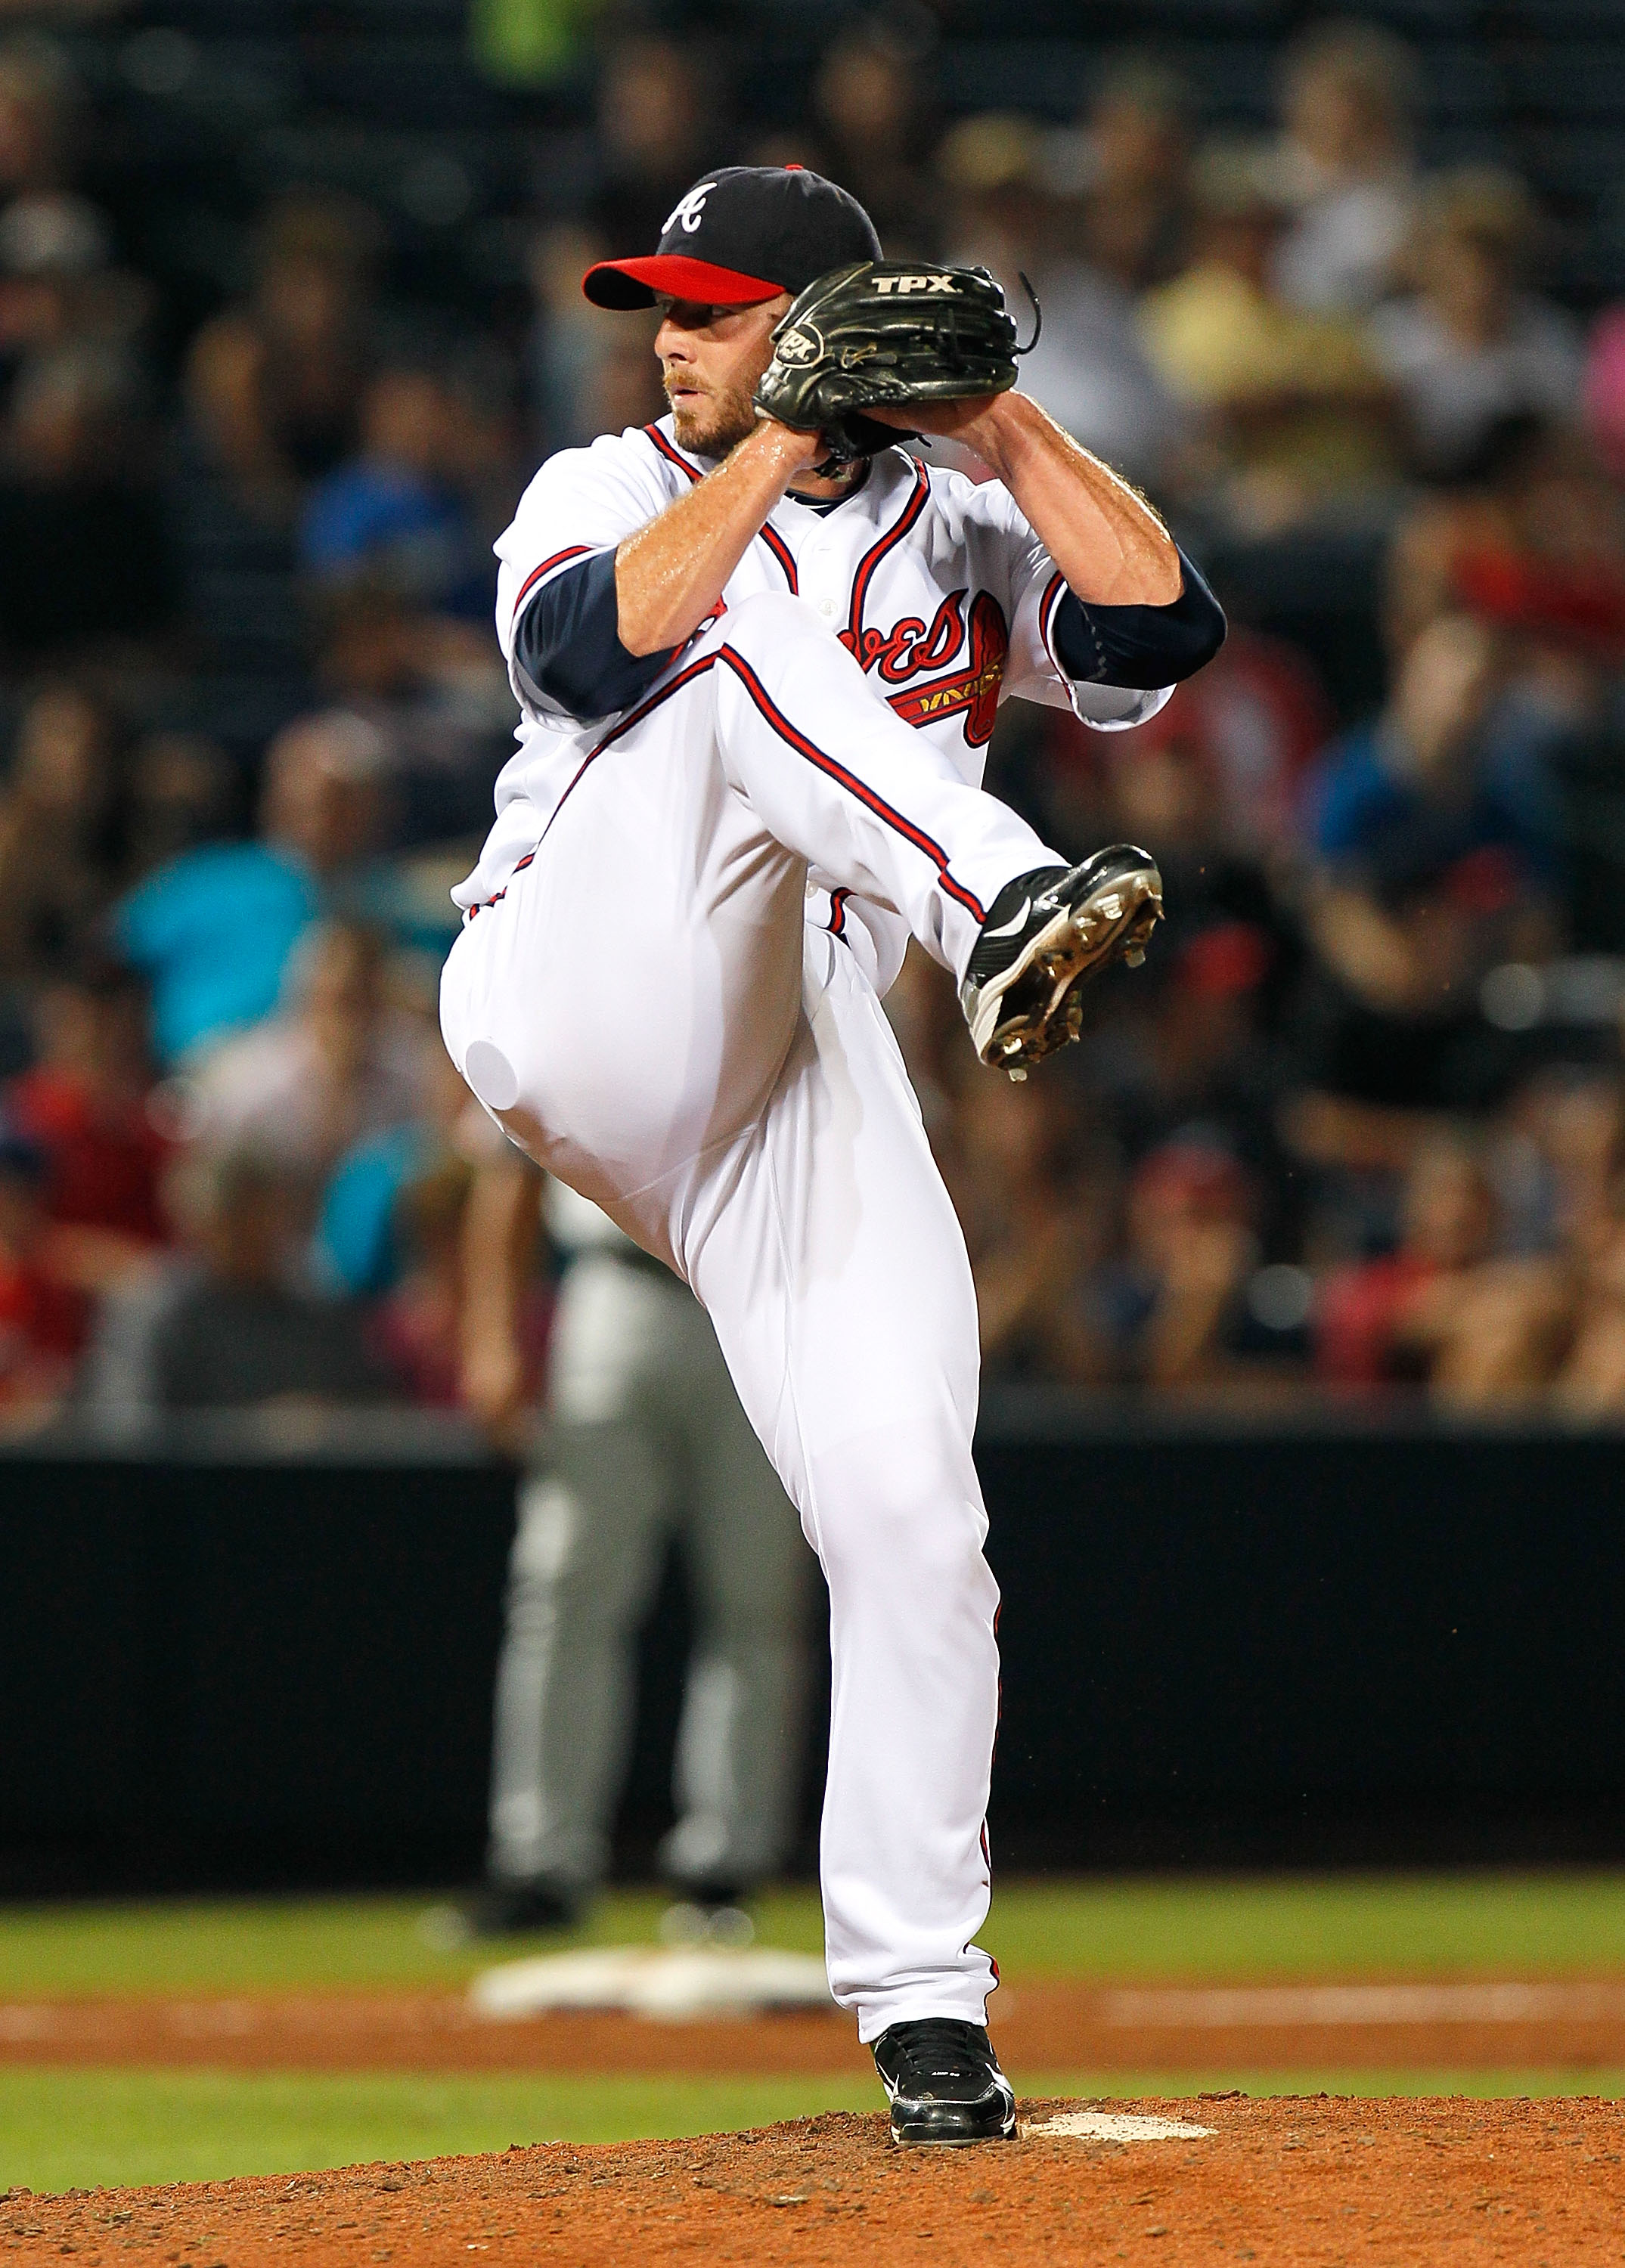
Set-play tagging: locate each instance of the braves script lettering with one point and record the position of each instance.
(909, 649)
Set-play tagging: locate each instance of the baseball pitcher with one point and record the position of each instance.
(760, 650)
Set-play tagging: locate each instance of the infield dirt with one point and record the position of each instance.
(1284, 2181)
(1047, 2026)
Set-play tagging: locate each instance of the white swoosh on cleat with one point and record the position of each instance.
(1012, 928)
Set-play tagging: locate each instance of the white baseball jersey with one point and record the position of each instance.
(938, 587)
(666, 991)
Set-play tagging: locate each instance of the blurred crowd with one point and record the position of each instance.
(1359, 1122)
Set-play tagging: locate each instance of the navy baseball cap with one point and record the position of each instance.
(741, 233)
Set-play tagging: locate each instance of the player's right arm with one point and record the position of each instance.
(606, 574)
(669, 576)
(501, 1225)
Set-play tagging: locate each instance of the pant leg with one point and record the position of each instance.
(646, 1022)
(739, 1747)
(627, 1006)
(593, 1520)
(835, 776)
(838, 1280)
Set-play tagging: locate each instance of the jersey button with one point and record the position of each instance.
(826, 606)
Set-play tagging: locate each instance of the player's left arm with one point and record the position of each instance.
(1134, 611)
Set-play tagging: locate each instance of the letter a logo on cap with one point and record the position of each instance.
(688, 211)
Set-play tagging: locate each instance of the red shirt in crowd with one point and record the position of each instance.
(107, 1158)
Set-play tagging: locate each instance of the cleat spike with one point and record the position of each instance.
(1134, 956)
(1017, 1075)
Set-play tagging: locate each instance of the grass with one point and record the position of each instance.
(75, 2128)
(90, 2129)
(1172, 1928)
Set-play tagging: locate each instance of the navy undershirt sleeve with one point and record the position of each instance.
(567, 642)
(1141, 647)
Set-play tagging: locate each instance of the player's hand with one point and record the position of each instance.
(493, 1388)
(973, 423)
(796, 452)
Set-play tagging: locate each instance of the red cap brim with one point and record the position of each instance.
(637, 283)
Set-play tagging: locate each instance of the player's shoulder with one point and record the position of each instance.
(969, 509)
(641, 458)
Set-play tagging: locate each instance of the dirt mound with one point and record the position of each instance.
(1285, 2182)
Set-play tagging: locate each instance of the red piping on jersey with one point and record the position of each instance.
(876, 552)
(520, 865)
(837, 923)
(850, 781)
(1053, 592)
(666, 450)
(571, 551)
(787, 733)
(635, 717)
(780, 550)
(774, 542)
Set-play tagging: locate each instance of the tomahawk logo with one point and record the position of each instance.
(899, 286)
(688, 209)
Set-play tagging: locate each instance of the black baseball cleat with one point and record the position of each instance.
(521, 1909)
(1045, 934)
(944, 2084)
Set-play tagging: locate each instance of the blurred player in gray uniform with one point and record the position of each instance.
(646, 1441)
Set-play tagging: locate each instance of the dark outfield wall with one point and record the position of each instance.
(218, 1664)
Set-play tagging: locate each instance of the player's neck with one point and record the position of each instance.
(814, 488)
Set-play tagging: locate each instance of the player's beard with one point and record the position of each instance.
(726, 418)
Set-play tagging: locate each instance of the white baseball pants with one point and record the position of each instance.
(647, 1011)
(646, 1440)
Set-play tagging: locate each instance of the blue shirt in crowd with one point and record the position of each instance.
(369, 514)
(1361, 811)
(212, 931)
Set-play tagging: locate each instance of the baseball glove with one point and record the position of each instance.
(885, 334)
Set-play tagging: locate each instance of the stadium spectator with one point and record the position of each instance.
(586, 372)
(1349, 93)
(1034, 1229)
(1199, 1052)
(211, 931)
(415, 1328)
(1448, 1220)
(1589, 1383)
(1431, 780)
(1132, 173)
(59, 850)
(71, 493)
(1477, 1326)
(273, 387)
(43, 1315)
(1434, 836)
(1311, 1034)
(85, 1104)
(1171, 1308)
(358, 1252)
(52, 238)
(181, 791)
(871, 112)
(1294, 406)
(1089, 368)
(434, 693)
(390, 513)
(1604, 389)
(335, 1065)
(657, 125)
(234, 1330)
(1256, 716)
(1474, 346)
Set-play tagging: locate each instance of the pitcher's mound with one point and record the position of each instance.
(1283, 2181)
